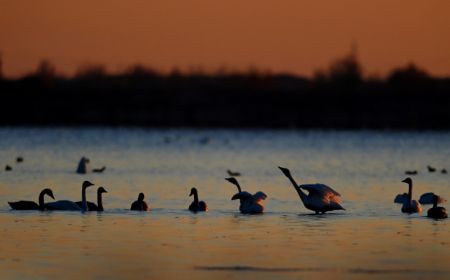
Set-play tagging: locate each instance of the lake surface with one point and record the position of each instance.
(372, 239)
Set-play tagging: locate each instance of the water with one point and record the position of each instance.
(372, 239)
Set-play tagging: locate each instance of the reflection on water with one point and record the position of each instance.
(372, 239)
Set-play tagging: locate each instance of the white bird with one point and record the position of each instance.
(320, 198)
(409, 205)
(249, 204)
(67, 205)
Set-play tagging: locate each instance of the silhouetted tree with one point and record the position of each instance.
(91, 71)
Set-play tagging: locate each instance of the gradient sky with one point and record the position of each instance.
(284, 36)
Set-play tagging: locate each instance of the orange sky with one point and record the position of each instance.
(288, 35)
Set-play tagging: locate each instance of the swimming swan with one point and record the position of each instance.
(437, 212)
(196, 205)
(409, 205)
(320, 198)
(140, 204)
(67, 205)
(249, 204)
(91, 206)
(31, 205)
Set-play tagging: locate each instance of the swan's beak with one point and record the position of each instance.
(51, 195)
(284, 170)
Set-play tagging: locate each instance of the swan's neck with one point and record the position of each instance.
(195, 197)
(83, 199)
(409, 192)
(41, 199)
(435, 201)
(99, 201)
(297, 188)
(238, 187)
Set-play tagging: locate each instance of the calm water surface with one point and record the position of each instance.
(371, 240)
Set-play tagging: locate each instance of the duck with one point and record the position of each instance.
(67, 205)
(197, 206)
(444, 171)
(249, 204)
(82, 165)
(31, 205)
(411, 172)
(320, 198)
(139, 204)
(8, 168)
(431, 169)
(233, 174)
(437, 212)
(91, 206)
(409, 205)
(99, 170)
(19, 159)
(428, 198)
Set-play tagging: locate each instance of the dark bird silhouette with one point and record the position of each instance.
(431, 169)
(31, 205)
(67, 205)
(99, 170)
(83, 165)
(411, 172)
(8, 168)
(19, 159)
(233, 174)
(249, 204)
(437, 212)
(320, 198)
(140, 204)
(444, 171)
(196, 205)
(409, 205)
(91, 205)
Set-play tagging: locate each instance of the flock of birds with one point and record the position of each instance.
(319, 198)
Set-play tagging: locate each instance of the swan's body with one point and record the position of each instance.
(320, 198)
(91, 206)
(429, 197)
(197, 205)
(437, 212)
(409, 205)
(82, 165)
(31, 205)
(249, 204)
(140, 204)
(67, 205)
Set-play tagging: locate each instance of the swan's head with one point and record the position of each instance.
(87, 184)
(141, 197)
(285, 171)
(48, 192)
(407, 181)
(193, 191)
(101, 190)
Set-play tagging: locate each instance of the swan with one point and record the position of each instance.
(320, 198)
(409, 205)
(82, 165)
(99, 170)
(428, 198)
(91, 206)
(437, 212)
(249, 204)
(140, 204)
(67, 205)
(197, 205)
(431, 169)
(31, 205)
(233, 173)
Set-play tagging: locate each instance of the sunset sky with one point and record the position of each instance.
(284, 36)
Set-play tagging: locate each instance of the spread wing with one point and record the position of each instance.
(320, 190)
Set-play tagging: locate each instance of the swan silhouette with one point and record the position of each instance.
(196, 205)
(67, 205)
(249, 204)
(82, 165)
(140, 204)
(409, 205)
(320, 198)
(91, 206)
(437, 212)
(31, 205)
